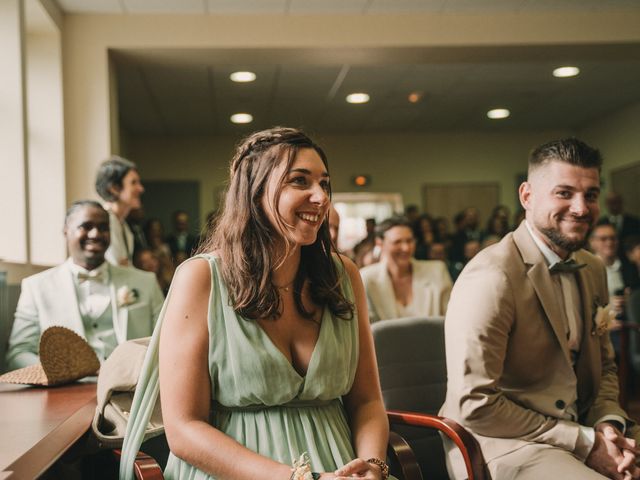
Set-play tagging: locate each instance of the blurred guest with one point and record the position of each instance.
(135, 220)
(334, 225)
(411, 213)
(363, 251)
(469, 250)
(604, 243)
(632, 253)
(423, 229)
(518, 217)
(438, 251)
(105, 304)
(624, 223)
(155, 237)
(119, 185)
(497, 226)
(441, 232)
(181, 242)
(400, 286)
(146, 260)
(467, 229)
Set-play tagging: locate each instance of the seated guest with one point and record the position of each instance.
(334, 225)
(604, 243)
(180, 241)
(103, 303)
(264, 346)
(423, 231)
(632, 267)
(118, 184)
(363, 251)
(626, 225)
(400, 286)
(145, 259)
(531, 371)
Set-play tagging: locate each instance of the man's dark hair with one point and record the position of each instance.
(396, 221)
(110, 174)
(77, 205)
(569, 150)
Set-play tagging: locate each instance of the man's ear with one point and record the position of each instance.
(524, 193)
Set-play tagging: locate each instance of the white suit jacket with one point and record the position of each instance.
(49, 298)
(118, 249)
(431, 289)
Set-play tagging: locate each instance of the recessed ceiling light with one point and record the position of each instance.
(242, 118)
(498, 113)
(564, 72)
(242, 77)
(414, 97)
(357, 98)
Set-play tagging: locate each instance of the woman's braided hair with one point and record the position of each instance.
(245, 239)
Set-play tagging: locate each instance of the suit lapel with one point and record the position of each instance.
(540, 278)
(68, 291)
(384, 300)
(589, 364)
(119, 315)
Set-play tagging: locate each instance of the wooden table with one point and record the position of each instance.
(37, 425)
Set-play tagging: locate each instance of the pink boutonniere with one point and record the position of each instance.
(126, 296)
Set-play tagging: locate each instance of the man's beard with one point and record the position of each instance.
(558, 239)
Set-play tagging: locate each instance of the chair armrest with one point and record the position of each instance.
(401, 453)
(469, 447)
(145, 467)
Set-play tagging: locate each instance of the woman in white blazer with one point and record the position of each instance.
(400, 286)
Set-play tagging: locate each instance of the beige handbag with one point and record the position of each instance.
(116, 386)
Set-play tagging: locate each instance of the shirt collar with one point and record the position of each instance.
(76, 269)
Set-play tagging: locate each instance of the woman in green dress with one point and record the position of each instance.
(265, 352)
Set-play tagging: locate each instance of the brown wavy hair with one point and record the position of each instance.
(245, 239)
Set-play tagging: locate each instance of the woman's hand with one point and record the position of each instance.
(358, 468)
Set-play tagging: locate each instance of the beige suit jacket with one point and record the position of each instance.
(510, 377)
(431, 284)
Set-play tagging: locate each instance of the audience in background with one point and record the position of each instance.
(423, 231)
(181, 242)
(632, 254)
(467, 228)
(399, 285)
(624, 223)
(106, 304)
(135, 220)
(334, 225)
(363, 251)
(118, 184)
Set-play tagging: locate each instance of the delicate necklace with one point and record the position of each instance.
(286, 287)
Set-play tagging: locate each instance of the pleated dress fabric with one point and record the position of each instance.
(262, 402)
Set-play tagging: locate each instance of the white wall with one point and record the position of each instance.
(618, 138)
(397, 163)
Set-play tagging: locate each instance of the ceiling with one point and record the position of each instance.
(188, 92)
(365, 7)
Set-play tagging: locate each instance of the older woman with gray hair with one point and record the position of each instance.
(119, 185)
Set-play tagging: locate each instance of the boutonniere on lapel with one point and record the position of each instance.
(602, 317)
(126, 296)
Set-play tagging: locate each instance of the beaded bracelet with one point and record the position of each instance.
(384, 468)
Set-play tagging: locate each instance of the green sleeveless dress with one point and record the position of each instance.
(258, 397)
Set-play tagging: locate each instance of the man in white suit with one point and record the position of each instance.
(103, 303)
(529, 361)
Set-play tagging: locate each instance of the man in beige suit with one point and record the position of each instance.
(530, 364)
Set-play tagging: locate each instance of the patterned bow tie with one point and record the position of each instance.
(92, 276)
(569, 265)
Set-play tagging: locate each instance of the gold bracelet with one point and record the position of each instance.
(384, 468)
